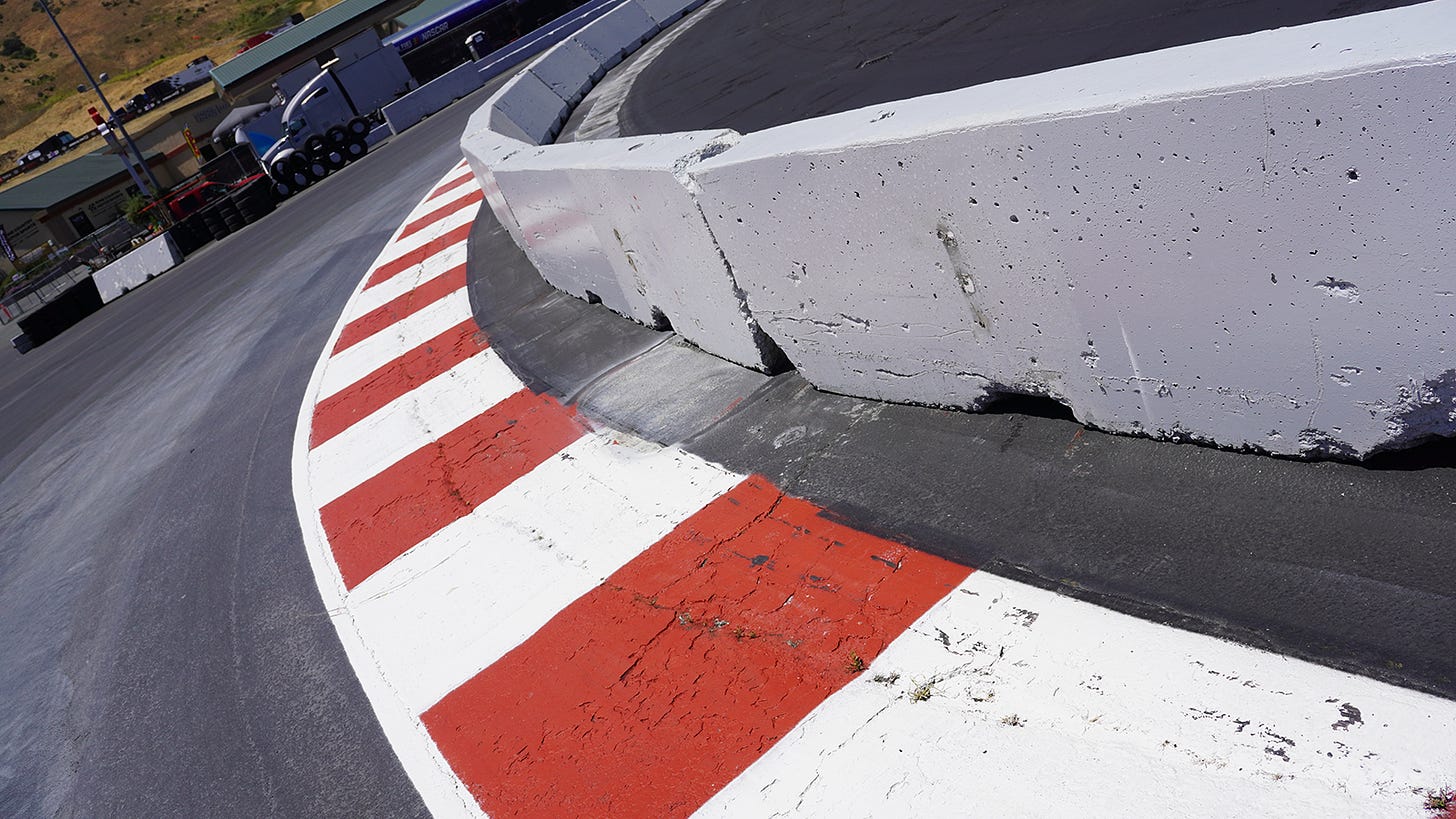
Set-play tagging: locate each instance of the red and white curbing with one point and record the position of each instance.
(555, 619)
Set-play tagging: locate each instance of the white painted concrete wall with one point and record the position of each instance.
(1247, 241)
(613, 220)
(134, 269)
(433, 96)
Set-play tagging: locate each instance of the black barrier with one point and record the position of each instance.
(62, 312)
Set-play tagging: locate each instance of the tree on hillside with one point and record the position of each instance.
(15, 48)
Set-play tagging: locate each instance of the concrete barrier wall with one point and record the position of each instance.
(613, 221)
(1247, 241)
(433, 96)
(134, 269)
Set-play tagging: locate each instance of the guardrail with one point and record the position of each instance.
(1246, 242)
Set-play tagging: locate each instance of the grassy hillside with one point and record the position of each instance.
(135, 41)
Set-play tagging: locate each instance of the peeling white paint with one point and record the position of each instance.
(1034, 704)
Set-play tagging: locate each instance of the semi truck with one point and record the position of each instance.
(327, 119)
(329, 110)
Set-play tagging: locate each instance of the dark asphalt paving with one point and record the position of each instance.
(753, 64)
(163, 648)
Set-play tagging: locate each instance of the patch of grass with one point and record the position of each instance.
(856, 663)
(1442, 799)
(921, 693)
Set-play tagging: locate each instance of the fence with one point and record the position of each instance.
(57, 270)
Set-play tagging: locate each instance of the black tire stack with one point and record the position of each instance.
(231, 216)
(321, 155)
(254, 200)
(213, 220)
(189, 234)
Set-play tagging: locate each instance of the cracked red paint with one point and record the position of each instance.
(435, 357)
(410, 259)
(650, 693)
(442, 482)
(471, 199)
(384, 316)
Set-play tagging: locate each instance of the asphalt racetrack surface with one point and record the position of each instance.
(754, 64)
(166, 652)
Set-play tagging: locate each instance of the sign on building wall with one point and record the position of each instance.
(5, 246)
(24, 235)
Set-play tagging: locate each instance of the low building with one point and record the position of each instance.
(70, 201)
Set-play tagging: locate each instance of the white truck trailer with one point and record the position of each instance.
(327, 119)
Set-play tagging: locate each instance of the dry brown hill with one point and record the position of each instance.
(135, 41)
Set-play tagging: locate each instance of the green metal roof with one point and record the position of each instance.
(348, 14)
(423, 12)
(58, 184)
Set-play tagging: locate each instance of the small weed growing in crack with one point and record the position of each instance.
(684, 618)
(1439, 800)
(856, 663)
(886, 679)
(921, 693)
(1013, 720)
(742, 633)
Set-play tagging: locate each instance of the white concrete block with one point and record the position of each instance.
(666, 12)
(616, 34)
(150, 260)
(1245, 241)
(484, 149)
(568, 70)
(612, 220)
(433, 96)
(525, 108)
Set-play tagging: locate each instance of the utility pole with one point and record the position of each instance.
(156, 188)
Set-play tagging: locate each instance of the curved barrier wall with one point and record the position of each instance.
(1247, 241)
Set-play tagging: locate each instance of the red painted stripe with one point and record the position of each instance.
(451, 185)
(442, 482)
(649, 694)
(357, 401)
(468, 200)
(408, 304)
(405, 261)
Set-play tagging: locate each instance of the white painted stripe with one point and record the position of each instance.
(442, 792)
(429, 203)
(409, 422)
(414, 241)
(363, 358)
(1040, 704)
(391, 289)
(456, 603)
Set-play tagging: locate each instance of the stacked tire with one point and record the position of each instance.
(254, 200)
(322, 154)
(231, 216)
(183, 237)
(214, 222)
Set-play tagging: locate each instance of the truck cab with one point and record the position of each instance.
(327, 121)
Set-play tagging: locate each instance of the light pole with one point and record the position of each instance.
(111, 115)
